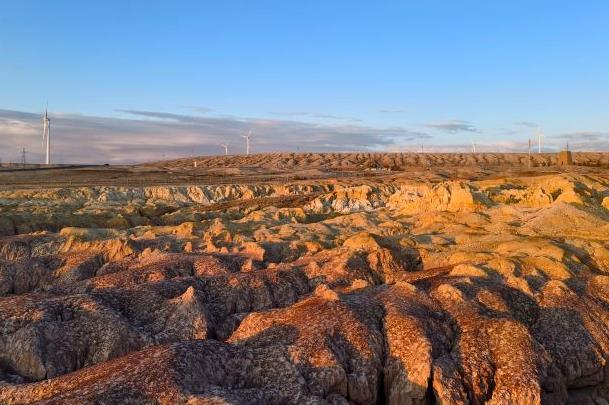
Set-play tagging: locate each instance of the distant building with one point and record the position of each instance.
(564, 158)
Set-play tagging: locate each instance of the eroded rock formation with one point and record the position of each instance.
(402, 292)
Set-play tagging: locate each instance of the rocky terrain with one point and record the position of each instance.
(425, 286)
(398, 160)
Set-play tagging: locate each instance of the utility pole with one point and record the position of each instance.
(23, 160)
(529, 165)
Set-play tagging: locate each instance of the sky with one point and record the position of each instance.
(129, 81)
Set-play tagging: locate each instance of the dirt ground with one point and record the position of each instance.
(291, 168)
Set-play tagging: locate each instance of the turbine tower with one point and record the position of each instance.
(46, 135)
(225, 146)
(473, 147)
(247, 142)
(539, 136)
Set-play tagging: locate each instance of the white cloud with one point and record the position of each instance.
(152, 135)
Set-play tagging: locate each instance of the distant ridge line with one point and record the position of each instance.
(382, 160)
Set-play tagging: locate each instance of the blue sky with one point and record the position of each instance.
(390, 75)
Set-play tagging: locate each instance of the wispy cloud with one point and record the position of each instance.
(584, 136)
(506, 131)
(152, 135)
(453, 126)
(528, 124)
(198, 109)
(593, 141)
(162, 115)
(392, 111)
(307, 114)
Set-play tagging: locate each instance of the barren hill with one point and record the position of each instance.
(419, 286)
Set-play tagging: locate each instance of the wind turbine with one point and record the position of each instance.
(247, 142)
(539, 136)
(225, 146)
(46, 134)
(473, 147)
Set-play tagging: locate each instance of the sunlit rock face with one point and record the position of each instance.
(382, 289)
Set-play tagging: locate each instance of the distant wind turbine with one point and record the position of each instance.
(473, 147)
(539, 137)
(46, 135)
(225, 146)
(247, 142)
